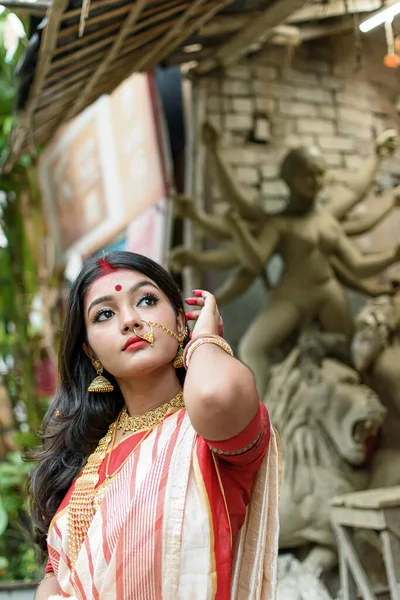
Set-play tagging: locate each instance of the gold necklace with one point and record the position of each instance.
(151, 418)
(85, 499)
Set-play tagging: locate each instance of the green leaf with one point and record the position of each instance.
(3, 518)
(7, 124)
(13, 472)
(7, 96)
(15, 458)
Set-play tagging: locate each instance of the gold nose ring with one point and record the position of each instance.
(149, 336)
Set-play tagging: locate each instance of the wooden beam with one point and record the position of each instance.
(181, 30)
(335, 8)
(38, 8)
(253, 31)
(226, 24)
(314, 32)
(286, 35)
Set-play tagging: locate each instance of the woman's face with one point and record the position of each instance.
(116, 303)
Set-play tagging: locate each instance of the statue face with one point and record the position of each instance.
(353, 413)
(308, 181)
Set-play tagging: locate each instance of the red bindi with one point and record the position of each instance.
(118, 288)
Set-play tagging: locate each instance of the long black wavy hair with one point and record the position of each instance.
(84, 417)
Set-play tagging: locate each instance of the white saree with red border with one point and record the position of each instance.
(162, 531)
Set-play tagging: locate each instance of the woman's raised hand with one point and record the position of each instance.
(206, 316)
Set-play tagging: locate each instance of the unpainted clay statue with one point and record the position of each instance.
(311, 240)
(376, 354)
(324, 416)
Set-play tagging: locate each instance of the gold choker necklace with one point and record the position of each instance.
(151, 418)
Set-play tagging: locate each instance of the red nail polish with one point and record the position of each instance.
(197, 292)
(191, 301)
(189, 315)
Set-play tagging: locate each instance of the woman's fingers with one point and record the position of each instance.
(193, 316)
(195, 301)
(207, 318)
(209, 299)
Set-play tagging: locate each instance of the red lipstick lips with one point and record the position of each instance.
(133, 341)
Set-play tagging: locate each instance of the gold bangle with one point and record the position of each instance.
(204, 339)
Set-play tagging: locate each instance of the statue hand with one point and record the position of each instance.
(386, 143)
(181, 257)
(233, 216)
(184, 207)
(210, 136)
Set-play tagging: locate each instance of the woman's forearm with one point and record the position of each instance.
(47, 588)
(220, 393)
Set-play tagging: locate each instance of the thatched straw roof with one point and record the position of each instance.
(77, 57)
(81, 52)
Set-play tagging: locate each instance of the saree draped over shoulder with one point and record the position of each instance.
(162, 531)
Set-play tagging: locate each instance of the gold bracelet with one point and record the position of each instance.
(236, 452)
(208, 338)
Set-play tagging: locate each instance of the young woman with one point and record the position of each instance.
(154, 481)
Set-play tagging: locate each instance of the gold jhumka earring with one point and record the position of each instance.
(178, 363)
(100, 383)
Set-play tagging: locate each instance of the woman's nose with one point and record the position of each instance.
(131, 319)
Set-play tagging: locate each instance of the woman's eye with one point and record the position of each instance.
(147, 300)
(103, 315)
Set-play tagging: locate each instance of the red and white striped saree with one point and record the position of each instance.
(162, 531)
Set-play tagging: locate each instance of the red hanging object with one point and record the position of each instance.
(391, 60)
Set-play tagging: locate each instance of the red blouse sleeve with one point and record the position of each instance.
(250, 445)
(239, 460)
(49, 567)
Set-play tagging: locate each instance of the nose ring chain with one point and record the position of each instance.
(149, 336)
